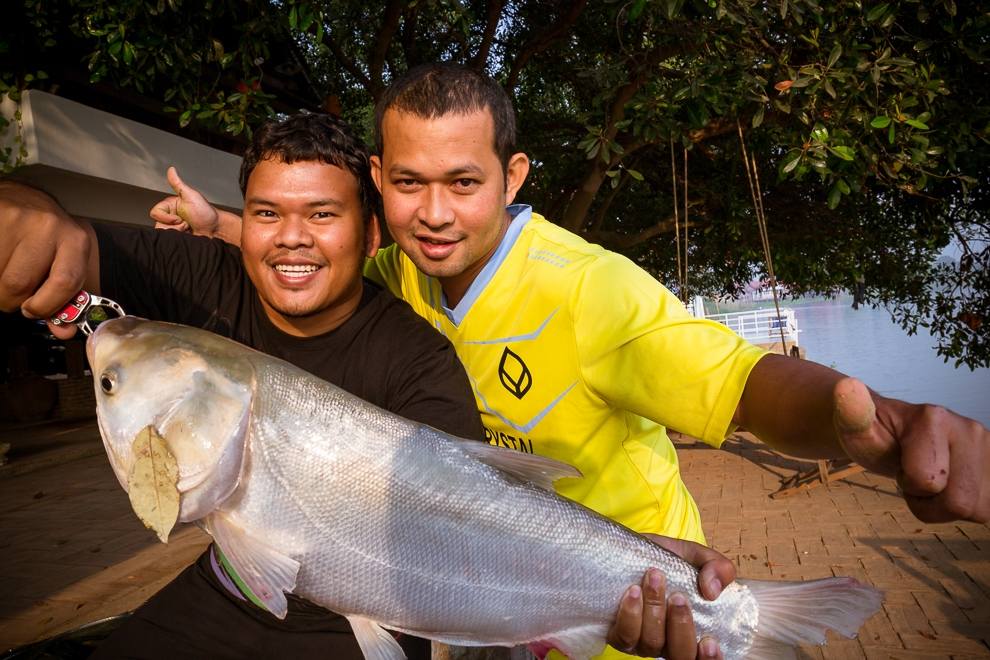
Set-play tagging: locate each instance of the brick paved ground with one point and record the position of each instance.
(71, 550)
(936, 578)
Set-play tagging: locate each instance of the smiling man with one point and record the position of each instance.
(293, 290)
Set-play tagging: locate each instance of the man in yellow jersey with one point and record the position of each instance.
(576, 353)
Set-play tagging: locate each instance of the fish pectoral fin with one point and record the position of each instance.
(376, 643)
(538, 470)
(268, 573)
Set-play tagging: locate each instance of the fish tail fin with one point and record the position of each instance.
(793, 613)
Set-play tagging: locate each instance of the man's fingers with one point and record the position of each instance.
(166, 211)
(181, 226)
(708, 648)
(66, 277)
(855, 419)
(715, 569)
(681, 640)
(624, 634)
(21, 275)
(925, 460)
(175, 181)
(966, 495)
(62, 332)
(651, 636)
(855, 411)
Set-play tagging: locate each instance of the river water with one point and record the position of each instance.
(867, 344)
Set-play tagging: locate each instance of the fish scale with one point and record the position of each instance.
(396, 524)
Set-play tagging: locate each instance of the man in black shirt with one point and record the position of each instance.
(294, 290)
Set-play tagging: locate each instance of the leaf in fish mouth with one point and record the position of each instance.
(151, 484)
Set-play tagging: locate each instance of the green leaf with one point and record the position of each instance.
(842, 186)
(916, 124)
(819, 133)
(890, 134)
(843, 152)
(758, 116)
(834, 55)
(834, 196)
(634, 174)
(880, 121)
(877, 12)
(184, 118)
(791, 164)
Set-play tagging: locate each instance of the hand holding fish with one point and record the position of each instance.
(47, 256)
(650, 625)
(941, 460)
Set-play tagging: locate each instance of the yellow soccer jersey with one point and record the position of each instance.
(577, 354)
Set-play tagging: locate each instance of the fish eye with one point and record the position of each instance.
(108, 382)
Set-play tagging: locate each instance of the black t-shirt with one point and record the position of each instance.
(385, 353)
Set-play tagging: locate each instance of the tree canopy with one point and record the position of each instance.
(867, 122)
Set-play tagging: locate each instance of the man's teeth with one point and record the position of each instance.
(296, 270)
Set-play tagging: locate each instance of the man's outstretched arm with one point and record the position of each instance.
(940, 459)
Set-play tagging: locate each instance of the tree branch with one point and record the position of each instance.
(376, 63)
(557, 31)
(618, 242)
(349, 65)
(492, 17)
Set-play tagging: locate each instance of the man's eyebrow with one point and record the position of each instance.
(468, 168)
(259, 201)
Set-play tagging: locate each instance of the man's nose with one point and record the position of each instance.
(293, 233)
(436, 211)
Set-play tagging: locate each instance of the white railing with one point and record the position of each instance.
(761, 326)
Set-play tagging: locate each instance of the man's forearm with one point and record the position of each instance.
(228, 227)
(788, 404)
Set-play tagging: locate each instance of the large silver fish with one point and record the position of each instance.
(310, 490)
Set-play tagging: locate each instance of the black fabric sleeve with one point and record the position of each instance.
(168, 275)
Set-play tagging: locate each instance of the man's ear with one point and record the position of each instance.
(515, 175)
(376, 171)
(372, 236)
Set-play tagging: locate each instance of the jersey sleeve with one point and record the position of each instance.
(384, 269)
(641, 351)
(166, 275)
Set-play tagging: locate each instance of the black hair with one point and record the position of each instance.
(434, 90)
(314, 137)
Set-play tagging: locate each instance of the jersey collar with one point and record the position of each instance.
(520, 214)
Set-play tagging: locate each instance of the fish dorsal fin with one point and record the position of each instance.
(376, 643)
(537, 470)
(268, 573)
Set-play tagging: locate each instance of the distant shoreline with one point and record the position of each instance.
(713, 307)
